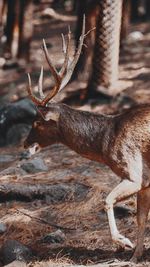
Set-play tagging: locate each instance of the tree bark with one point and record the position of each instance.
(106, 52)
(90, 9)
(126, 16)
(19, 28)
(25, 29)
(11, 25)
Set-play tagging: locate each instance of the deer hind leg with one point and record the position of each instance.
(143, 206)
(125, 189)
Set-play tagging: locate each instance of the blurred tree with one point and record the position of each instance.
(104, 73)
(12, 9)
(2, 8)
(126, 17)
(18, 29)
(25, 29)
(148, 9)
(90, 9)
(134, 10)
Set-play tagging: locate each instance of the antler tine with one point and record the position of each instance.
(36, 100)
(66, 52)
(40, 84)
(51, 66)
(64, 80)
(76, 57)
(63, 76)
(55, 89)
(63, 43)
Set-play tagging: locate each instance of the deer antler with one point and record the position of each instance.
(63, 76)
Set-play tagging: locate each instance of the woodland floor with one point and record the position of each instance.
(81, 210)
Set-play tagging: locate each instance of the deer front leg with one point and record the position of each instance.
(143, 206)
(125, 189)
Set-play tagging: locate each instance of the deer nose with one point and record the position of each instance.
(26, 144)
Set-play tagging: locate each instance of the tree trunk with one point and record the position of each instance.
(134, 10)
(18, 28)
(11, 25)
(2, 8)
(106, 52)
(25, 29)
(89, 8)
(147, 9)
(126, 15)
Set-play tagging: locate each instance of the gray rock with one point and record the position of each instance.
(35, 165)
(122, 211)
(13, 250)
(20, 113)
(14, 170)
(6, 158)
(63, 192)
(55, 237)
(3, 228)
(16, 133)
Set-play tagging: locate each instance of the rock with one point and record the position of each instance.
(13, 250)
(3, 228)
(63, 192)
(26, 107)
(6, 160)
(14, 170)
(121, 211)
(16, 133)
(55, 237)
(25, 155)
(135, 36)
(80, 191)
(35, 165)
(20, 113)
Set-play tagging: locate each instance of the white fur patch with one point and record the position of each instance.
(51, 116)
(35, 148)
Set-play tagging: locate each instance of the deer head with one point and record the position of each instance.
(46, 123)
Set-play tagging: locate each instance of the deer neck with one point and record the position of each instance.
(88, 134)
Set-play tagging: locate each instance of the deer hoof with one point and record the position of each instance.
(122, 241)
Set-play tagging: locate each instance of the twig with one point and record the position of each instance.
(88, 32)
(45, 222)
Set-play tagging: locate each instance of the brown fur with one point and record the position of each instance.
(102, 138)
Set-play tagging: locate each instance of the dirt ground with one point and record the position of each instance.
(79, 213)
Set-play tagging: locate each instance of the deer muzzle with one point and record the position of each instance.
(33, 149)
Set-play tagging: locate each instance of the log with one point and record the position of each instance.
(55, 193)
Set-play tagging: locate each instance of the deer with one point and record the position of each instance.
(121, 141)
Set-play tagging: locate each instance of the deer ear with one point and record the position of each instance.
(54, 116)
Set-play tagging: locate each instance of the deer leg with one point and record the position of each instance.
(125, 189)
(143, 206)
